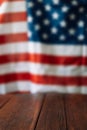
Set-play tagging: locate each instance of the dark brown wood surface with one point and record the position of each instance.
(52, 116)
(76, 112)
(43, 112)
(4, 100)
(21, 112)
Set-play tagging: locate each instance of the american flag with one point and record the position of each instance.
(43, 46)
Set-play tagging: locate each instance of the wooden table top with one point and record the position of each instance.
(43, 112)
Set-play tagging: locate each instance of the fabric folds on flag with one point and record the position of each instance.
(43, 46)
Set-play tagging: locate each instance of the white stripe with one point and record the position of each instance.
(10, 28)
(31, 47)
(35, 88)
(12, 7)
(12, 48)
(42, 69)
(65, 50)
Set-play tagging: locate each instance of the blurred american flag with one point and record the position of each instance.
(43, 46)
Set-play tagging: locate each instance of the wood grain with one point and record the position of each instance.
(76, 112)
(4, 99)
(21, 112)
(39, 112)
(52, 116)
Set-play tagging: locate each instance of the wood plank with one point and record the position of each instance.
(21, 112)
(76, 112)
(4, 99)
(52, 116)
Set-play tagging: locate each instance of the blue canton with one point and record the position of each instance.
(57, 21)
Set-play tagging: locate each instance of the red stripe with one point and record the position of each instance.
(1, 1)
(44, 59)
(48, 80)
(9, 38)
(13, 17)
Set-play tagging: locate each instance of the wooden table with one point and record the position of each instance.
(43, 112)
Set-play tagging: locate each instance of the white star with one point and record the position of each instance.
(46, 22)
(56, 1)
(47, 7)
(30, 4)
(81, 24)
(54, 30)
(30, 19)
(81, 37)
(62, 37)
(74, 2)
(72, 16)
(37, 27)
(40, 0)
(45, 36)
(64, 9)
(38, 13)
(55, 15)
(81, 9)
(63, 24)
(72, 31)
